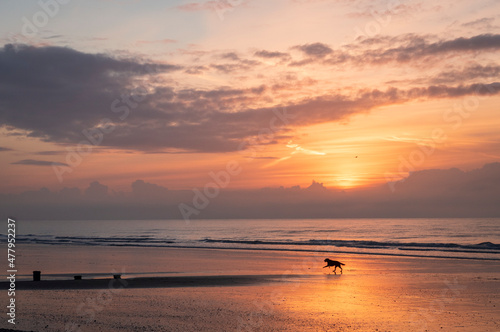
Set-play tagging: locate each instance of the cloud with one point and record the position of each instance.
(97, 191)
(230, 56)
(237, 64)
(296, 149)
(451, 76)
(161, 41)
(51, 153)
(193, 6)
(318, 50)
(427, 193)
(34, 162)
(409, 48)
(476, 43)
(454, 181)
(264, 157)
(196, 70)
(76, 91)
(217, 5)
(230, 68)
(387, 11)
(149, 191)
(417, 47)
(271, 55)
(5, 149)
(443, 91)
(485, 22)
(468, 73)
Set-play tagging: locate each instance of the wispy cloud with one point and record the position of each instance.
(482, 23)
(271, 54)
(213, 5)
(296, 149)
(34, 162)
(161, 41)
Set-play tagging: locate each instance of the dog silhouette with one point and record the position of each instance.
(335, 264)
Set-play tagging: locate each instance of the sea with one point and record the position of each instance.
(466, 238)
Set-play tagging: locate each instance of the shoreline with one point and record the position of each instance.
(285, 250)
(93, 262)
(231, 290)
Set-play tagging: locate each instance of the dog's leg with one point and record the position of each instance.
(340, 269)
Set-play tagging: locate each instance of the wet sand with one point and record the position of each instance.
(149, 282)
(255, 291)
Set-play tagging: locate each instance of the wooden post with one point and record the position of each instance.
(117, 276)
(78, 277)
(37, 275)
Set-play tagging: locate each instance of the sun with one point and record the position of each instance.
(346, 182)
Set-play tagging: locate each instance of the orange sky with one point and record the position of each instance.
(372, 91)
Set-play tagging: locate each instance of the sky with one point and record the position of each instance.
(355, 95)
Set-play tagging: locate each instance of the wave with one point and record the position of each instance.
(482, 250)
(364, 244)
(51, 239)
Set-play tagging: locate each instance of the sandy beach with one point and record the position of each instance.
(165, 289)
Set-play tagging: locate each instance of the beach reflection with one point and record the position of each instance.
(359, 295)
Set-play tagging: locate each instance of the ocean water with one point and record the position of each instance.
(468, 238)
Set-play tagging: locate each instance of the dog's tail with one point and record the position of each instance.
(341, 263)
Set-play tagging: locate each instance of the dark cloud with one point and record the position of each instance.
(485, 22)
(5, 149)
(302, 62)
(34, 162)
(408, 48)
(62, 95)
(196, 70)
(476, 43)
(426, 194)
(55, 92)
(51, 153)
(148, 191)
(229, 68)
(97, 191)
(230, 56)
(483, 180)
(53, 37)
(466, 74)
(237, 63)
(414, 47)
(443, 91)
(469, 73)
(315, 50)
(271, 55)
